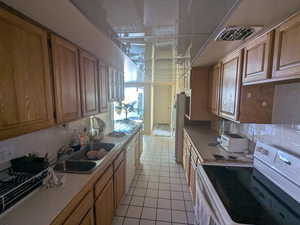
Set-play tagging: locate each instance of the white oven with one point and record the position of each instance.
(265, 194)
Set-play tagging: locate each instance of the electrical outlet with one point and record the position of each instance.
(6, 153)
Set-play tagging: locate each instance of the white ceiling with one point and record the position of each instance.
(188, 24)
(266, 13)
(124, 15)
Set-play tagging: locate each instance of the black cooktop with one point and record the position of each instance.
(251, 198)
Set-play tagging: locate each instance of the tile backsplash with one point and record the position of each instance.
(284, 136)
(45, 141)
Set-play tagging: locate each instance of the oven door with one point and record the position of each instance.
(204, 213)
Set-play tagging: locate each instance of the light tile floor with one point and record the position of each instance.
(159, 194)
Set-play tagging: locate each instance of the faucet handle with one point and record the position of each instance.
(63, 150)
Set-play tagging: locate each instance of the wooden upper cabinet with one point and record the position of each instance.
(286, 62)
(103, 87)
(258, 59)
(111, 83)
(122, 87)
(119, 85)
(66, 80)
(215, 77)
(89, 83)
(230, 85)
(25, 84)
(197, 104)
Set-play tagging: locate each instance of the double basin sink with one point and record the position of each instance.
(78, 162)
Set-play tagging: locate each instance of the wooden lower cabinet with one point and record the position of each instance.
(187, 166)
(88, 218)
(119, 183)
(184, 152)
(104, 205)
(193, 175)
(78, 212)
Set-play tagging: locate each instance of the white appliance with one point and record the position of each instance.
(266, 194)
(180, 111)
(234, 143)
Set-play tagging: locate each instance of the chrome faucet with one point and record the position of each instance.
(64, 150)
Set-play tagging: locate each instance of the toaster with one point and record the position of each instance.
(234, 143)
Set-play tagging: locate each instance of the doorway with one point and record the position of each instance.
(162, 110)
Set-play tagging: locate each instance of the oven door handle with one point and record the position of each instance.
(205, 202)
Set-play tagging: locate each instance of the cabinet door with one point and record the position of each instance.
(104, 205)
(66, 80)
(25, 83)
(188, 164)
(230, 87)
(258, 59)
(122, 87)
(83, 209)
(89, 83)
(88, 219)
(215, 89)
(111, 83)
(184, 154)
(199, 94)
(193, 179)
(119, 183)
(286, 62)
(103, 86)
(117, 86)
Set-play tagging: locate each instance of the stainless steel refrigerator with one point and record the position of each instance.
(180, 118)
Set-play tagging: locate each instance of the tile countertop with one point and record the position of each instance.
(202, 136)
(43, 205)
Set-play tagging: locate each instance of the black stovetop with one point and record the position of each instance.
(251, 198)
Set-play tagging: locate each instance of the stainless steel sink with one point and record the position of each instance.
(74, 166)
(78, 161)
(81, 155)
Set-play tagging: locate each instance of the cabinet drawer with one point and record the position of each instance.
(103, 180)
(81, 210)
(118, 160)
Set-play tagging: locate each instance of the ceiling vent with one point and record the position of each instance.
(237, 33)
